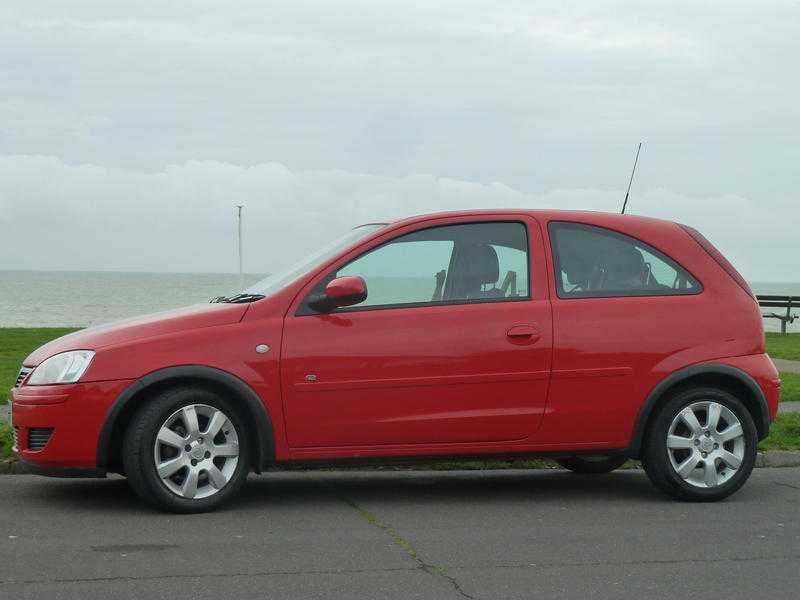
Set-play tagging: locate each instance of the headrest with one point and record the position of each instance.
(624, 262)
(479, 264)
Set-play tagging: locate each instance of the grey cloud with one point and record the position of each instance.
(321, 113)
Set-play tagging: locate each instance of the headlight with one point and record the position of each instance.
(67, 367)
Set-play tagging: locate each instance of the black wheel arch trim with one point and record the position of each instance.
(265, 440)
(692, 371)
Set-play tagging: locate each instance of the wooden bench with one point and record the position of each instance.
(786, 302)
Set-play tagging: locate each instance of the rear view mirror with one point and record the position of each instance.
(342, 291)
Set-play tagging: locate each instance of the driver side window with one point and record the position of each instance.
(401, 273)
(473, 262)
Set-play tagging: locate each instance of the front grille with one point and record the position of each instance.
(15, 435)
(23, 374)
(38, 437)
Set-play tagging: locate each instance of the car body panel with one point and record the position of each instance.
(129, 330)
(428, 380)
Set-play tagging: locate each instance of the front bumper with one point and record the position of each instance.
(75, 412)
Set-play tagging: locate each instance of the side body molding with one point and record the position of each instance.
(264, 443)
(761, 419)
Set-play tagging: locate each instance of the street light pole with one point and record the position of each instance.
(239, 218)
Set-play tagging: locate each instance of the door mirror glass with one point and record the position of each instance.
(342, 291)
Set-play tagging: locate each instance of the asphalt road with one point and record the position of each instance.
(443, 535)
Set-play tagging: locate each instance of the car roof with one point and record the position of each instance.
(601, 218)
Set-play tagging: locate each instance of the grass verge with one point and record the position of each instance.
(5, 440)
(784, 433)
(785, 346)
(790, 387)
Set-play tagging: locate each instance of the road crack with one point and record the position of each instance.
(406, 546)
(789, 485)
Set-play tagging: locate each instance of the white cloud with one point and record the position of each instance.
(182, 218)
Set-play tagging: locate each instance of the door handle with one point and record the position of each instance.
(524, 331)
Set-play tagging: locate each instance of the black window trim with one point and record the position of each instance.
(563, 295)
(305, 310)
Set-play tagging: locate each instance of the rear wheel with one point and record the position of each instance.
(593, 465)
(702, 445)
(186, 450)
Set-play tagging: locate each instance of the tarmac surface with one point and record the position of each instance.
(400, 534)
(787, 366)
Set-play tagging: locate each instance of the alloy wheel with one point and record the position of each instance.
(196, 451)
(706, 444)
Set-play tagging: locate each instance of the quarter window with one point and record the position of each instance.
(473, 262)
(596, 262)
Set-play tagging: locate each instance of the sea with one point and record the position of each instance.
(85, 298)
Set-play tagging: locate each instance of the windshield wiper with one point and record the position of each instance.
(238, 298)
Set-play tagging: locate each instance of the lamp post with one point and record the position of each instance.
(239, 208)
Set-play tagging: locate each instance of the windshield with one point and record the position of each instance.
(276, 281)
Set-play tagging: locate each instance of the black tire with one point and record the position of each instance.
(656, 457)
(592, 465)
(140, 439)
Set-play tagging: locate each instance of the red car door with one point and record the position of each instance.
(452, 345)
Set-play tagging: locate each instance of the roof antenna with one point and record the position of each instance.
(635, 161)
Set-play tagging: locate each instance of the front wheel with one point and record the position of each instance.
(702, 445)
(185, 450)
(592, 465)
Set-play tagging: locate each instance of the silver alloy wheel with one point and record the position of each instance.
(706, 444)
(196, 451)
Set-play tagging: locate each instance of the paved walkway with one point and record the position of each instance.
(787, 366)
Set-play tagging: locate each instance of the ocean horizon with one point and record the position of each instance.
(86, 298)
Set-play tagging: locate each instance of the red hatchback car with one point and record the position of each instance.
(587, 337)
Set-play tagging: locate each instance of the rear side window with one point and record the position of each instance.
(593, 262)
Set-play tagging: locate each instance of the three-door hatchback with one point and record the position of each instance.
(587, 337)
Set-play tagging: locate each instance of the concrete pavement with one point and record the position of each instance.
(439, 535)
(787, 366)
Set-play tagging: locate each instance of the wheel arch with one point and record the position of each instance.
(719, 375)
(109, 446)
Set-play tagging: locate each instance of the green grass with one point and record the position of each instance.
(790, 387)
(784, 433)
(5, 440)
(784, 346)
(15, 345)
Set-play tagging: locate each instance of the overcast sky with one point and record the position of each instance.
(128, 131)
